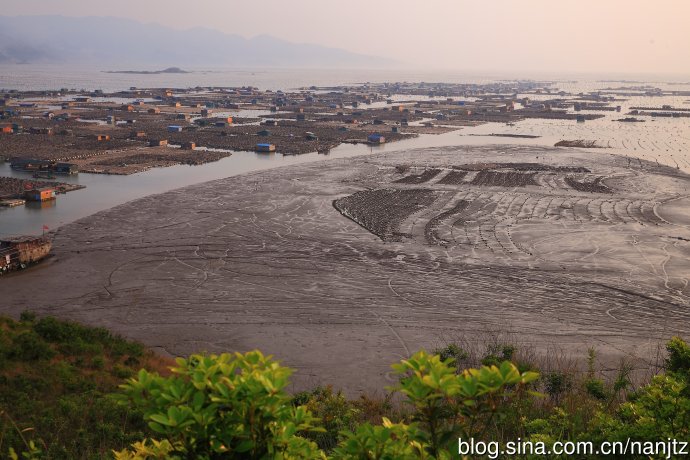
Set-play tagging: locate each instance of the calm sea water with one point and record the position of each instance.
(28, 77)
(664, 140)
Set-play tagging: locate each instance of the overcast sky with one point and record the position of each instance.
(507, 35)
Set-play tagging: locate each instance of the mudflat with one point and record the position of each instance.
(343, 267)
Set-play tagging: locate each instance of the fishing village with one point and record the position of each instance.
(54, 134)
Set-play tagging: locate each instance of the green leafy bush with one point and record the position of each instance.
(229, 405)
(57, 377)
(335, 413)
(660, 410)
(28, 346)
(234, 405)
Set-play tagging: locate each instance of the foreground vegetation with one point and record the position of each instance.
(55, 382)
(59, 401)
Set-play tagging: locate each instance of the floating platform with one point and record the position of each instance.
(11, 203)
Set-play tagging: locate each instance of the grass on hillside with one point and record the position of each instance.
(54, 378)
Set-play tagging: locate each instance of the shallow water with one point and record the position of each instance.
(105, 191)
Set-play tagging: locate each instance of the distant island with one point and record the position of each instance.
(149, 72)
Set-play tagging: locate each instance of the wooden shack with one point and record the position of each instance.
(19, 252)
(41, 130)
(40, 194)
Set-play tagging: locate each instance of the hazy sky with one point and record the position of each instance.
(506, 35)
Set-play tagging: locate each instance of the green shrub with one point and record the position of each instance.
(452, 351)
(497, 353)
(596, 389)
(388, 441)
(98, 362)
(448, 406)
(53, 330)
(27, 317)
(236, 407)
(28, 346)
(229, 405)
(658, 411)
(335, 413)
(122, 372)
(556, 384)
(678, 360)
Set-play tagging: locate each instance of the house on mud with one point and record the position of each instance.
(20, 252)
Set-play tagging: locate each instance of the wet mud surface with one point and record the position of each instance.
(340, 268)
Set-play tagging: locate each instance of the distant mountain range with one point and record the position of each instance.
(109, 42)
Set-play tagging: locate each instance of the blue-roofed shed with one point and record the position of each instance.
(265, 148)
(376, 138)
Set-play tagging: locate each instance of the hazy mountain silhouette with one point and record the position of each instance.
(112, 41)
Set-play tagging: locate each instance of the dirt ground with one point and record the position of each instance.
(283, 260)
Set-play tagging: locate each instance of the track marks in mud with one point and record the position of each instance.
(431, 228)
